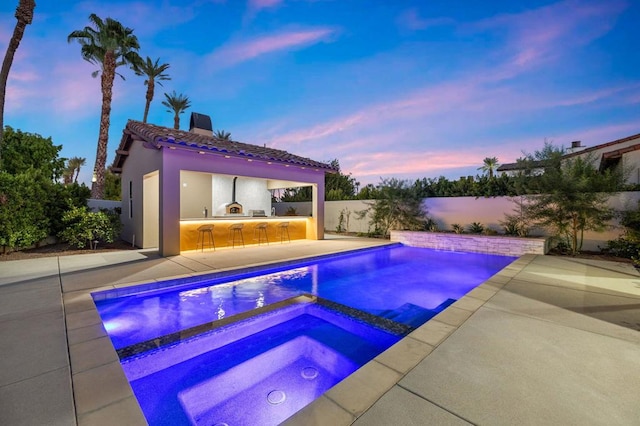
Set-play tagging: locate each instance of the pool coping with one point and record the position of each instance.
(353, 396)
(114, 400)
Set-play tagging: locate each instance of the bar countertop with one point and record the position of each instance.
(242, 217)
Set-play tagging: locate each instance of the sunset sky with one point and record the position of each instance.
(405, 89)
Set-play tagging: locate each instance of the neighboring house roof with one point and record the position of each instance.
(609, 154)
(510, 167)
(157, 136)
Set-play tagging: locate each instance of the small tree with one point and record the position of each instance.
(22, 151)
(177, 104)
(398, 206)
(154, 73)
(339, 186)
(570, 196)
(112, 186)
(31, 201)
(74, 164)
(489, 165)
(222, 135)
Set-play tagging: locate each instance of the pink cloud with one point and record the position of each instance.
(430, 163)
(411, 19)
(544, 34)
(237, 52)
(145, 18)
(598, 95)
(418, 104)
(264, 4)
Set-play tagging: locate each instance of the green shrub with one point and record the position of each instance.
(62, 198)
(476, 228)
(457, 228)
(23, 216)
(397, 206)
(431, 225)
(511, 226)
(624, 247)
(83, 227)
(343, 220)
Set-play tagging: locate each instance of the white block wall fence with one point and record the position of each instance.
(463, 211)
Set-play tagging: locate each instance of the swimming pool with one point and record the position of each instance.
(259, 370)
(391, 290)
(406, 284)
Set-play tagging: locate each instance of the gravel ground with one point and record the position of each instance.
(62, 250)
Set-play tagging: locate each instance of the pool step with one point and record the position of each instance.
(414, 315)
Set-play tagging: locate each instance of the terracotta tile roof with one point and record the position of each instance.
(515, 166)
(164, 136)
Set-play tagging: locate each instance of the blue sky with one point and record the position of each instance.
(405, 89)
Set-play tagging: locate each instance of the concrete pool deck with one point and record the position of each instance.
(547, 340)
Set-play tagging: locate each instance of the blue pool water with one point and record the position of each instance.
(259, 371)
(405, 284)
(256, 348)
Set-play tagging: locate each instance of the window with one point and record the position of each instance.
(130, 199)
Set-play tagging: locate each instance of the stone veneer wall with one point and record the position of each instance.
(509, 246)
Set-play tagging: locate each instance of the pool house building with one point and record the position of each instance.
(174, 183)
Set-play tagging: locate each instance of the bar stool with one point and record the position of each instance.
(282, 228)
(258, 231)
(234, 230)
(205, 231)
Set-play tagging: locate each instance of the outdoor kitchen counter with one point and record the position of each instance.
(223, 237)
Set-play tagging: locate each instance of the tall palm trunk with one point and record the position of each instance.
(150, 90)
(24, 15)
(108, 75)
(176, 121)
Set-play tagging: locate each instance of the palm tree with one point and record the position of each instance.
(67, 175)
(154, 73)
(490, 164)
(176, 104)
(74, 165)
(24, 15)
(109, 45)
(221, 134)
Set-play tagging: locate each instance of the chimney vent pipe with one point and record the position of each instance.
(200, 124)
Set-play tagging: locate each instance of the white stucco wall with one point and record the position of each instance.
(465, 210)
(96, 205)
(141, 161)
(251, 193)
(195, 194)
(631, 161)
